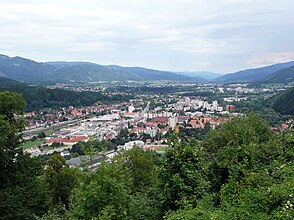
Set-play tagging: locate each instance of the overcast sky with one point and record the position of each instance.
(178, 35)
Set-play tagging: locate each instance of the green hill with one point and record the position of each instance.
(26, 70)
(254, 75)
(7, 82)
(284, 102)
(141, 73)
(282, 76)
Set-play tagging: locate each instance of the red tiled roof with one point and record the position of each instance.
(138, 129)
(284, 126)
(151, 124)
(70, 139)
(148, 140)
(132, 113)
(160, 119)
(155, 147)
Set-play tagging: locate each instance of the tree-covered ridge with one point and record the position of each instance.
(8, 82)
(282, 76)
(254, 75)
(26, 70)
(38, 97)
(284, 102)
(241, 170)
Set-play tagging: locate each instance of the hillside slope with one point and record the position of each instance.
(141, 73)
(8, 82)
(282, 76)
(22, 69)
(284, 102)
(88, 72)
(253, 75)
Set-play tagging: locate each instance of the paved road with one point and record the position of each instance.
(146, 109)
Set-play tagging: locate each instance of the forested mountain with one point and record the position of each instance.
(26, 70)
(282, 76)
(21, 69)
(253, 75)
(38, 97)
(149, 74)
(88, 72)
(284, 102)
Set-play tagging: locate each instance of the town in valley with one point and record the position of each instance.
(147, 120)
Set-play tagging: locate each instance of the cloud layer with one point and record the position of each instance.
(214, 35)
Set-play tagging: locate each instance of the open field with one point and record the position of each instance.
(29, 144)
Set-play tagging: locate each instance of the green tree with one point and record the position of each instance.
(41, 134)
(204, 210)
(22, 191)
(259, 176)
(89, 149)
(182, 176)
(140, 165)
(105, 195)
(228, 146)
(11, 105)
(264, 190)
(61, 179)
(11, 125)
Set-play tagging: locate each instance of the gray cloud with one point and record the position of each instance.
(215, 35)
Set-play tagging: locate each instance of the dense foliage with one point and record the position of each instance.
(21, 177)
(40, 97)
(284, 102)
(241, 170)
(263, 106)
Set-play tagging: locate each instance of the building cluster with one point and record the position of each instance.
(186, 104)
(144, 121)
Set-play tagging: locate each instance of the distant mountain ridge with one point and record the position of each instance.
(253, 75)
(149, 74)
(201, 74)
(26, 70)
(22, 69)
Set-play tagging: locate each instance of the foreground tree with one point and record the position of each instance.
(104, 195)
(140, 165)
(251, 172)
(61, 179)
(230, 148)
(182, 176)
(11, 105)
(22, 191)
